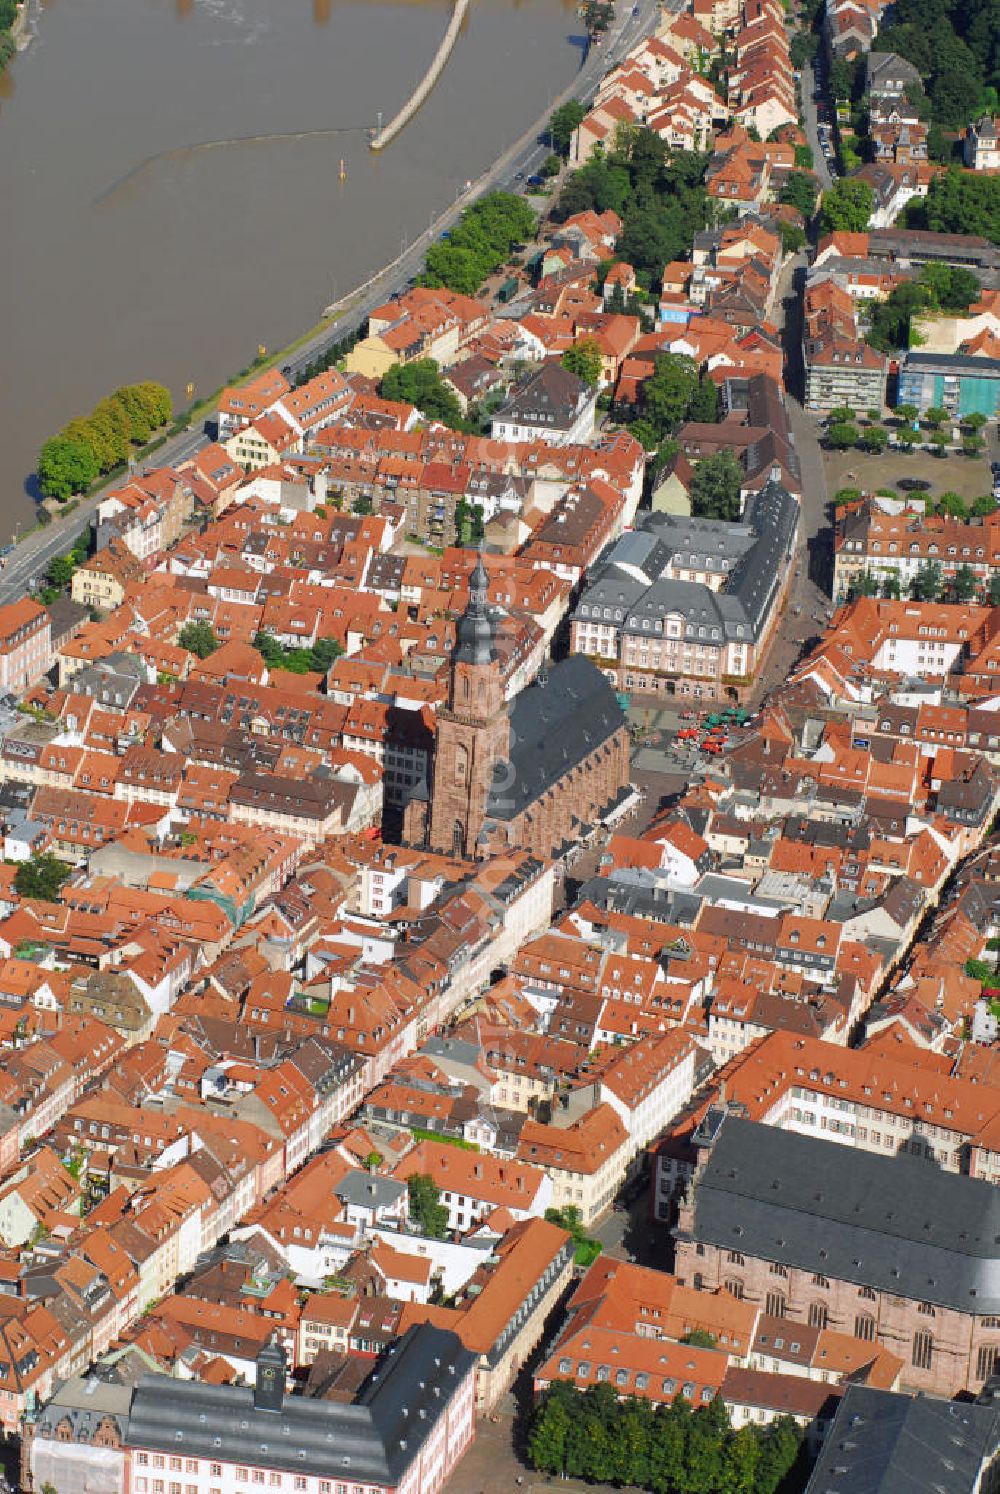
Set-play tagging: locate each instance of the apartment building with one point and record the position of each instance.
(25, 645)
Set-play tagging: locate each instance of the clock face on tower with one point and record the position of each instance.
(267, 1374)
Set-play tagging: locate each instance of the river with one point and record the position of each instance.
(144, 236)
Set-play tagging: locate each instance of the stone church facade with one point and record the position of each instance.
(530, 775)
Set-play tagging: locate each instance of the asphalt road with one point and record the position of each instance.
(31, 558)
(810, 82)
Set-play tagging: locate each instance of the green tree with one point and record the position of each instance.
(569, 1218)
(799, 191)
(426, 1209)
(130, 399)
(802, 48)
(699, 1338)
(667, 1450)
(715, 487)
(158, 404)
(953, 288)
(980, 970)
(479, 243)
(959, 202)
(928, 583)
(906, 413)
(704, 405)
(935, 415)
(741, 1462)
(65, 467)
(842, 434)
(667, 393)
(419, 383)
(703, 1453)
(585, 360)
(563, 124)
(110, 419)
(983, 506)
(951, 504)
(875, 438)
(792, 236)
(549, 1432)
(779, 1452)
(198, 638)
(890, 319)
(863, 585)
(842, 412)
(41, 877)
(842, 79)
(60, 571)
(847, 206)
(322, 654)
(965, 584)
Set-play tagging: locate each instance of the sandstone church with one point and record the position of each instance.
(532, 774)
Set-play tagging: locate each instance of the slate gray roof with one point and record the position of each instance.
(366, 1190)
(884, 1442)
(84, 1401)
(896, 1224)
(883, 67)
(752, 556)
(551, 396)
(554, 724)
(952, 363)
(373, 1440)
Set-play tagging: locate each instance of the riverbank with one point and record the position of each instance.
(238, 230)
(519, 160)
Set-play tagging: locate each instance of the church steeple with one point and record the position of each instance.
(475, 642)
(473, 730)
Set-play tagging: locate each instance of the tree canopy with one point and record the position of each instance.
(715, 487)
(480, 242)
(92, 445)
(65, 467)
(41, 876)
(959, 202)
(585, 360)
(198, 638)
(563, 123)
(661, 204)
(673, 1449)
(800, 192)
(955, 44)
(419, 383)
(847, 206)
(426, 1209)
(314, 660)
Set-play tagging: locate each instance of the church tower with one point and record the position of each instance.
(269, 1384)
(472, 730)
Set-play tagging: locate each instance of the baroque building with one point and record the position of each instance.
(528, 775)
